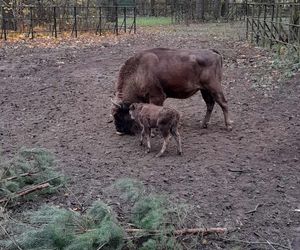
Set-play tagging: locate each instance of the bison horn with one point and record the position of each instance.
(116, 104)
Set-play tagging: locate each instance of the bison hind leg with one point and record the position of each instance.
(165, 132)
(164, 146)
(210, 102)
(220, 99)
(176, 135)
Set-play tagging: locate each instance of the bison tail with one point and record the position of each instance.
(217, 52)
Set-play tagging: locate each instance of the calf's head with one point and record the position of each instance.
(123, 122)
(134, 109)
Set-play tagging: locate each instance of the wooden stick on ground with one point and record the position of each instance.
(254, 210)
(27, 191)
(10, 237)
(17, 176)
(184, 231)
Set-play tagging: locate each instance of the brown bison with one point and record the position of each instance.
(152, 116)
(153, 75)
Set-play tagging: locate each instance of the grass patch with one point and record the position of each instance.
(148, 21)
(286, 60)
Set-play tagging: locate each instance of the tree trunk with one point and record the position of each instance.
(225, 8)
(217, 8)
(152, 7)
(295, 21)
(200, 10)
(111, 13)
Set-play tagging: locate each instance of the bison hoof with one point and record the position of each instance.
(204, 125)
(158, 155)
(148, 151)
(229, 127)
(179, 152)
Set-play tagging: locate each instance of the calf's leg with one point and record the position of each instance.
(176, 135)
(148, 132)
(142, 135)
(165, 131)
(164, 146)
(156, 97)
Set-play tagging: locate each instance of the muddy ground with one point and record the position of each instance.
(58, 98)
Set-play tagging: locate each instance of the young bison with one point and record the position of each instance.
(151, 116)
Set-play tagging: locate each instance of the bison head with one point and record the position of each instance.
(123, 122)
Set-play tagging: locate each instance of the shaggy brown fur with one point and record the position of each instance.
(151, 116)
(153, 75)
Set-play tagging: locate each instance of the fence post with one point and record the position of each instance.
(264, 25)
(3, 32)
(75, 21)
(31, 23)
(247, 21)
(124, 19)
(100, 22)
(290, 24)
(117, 24)
(276, 21)
(252, 22)
(279, 22)
(54, 22)
(134, 20)
(258, 25)
(272, 23)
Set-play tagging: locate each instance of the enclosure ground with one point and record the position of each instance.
(58, 97)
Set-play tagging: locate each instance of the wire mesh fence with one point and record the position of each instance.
(266, 24)
(277, 23)
(33, 21)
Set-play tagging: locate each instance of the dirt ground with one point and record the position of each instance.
(59, 98)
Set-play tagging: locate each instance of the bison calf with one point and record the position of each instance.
(151, 116)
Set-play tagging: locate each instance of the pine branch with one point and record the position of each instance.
(27, 191)
(184, 231)
(10, 237)
(17, 176)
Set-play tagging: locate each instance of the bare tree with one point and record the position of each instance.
(217, 8)
(152, 7)
(200, 9)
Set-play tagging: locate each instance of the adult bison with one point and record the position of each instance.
(153, 75)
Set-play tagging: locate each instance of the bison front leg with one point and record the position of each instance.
(210, 102)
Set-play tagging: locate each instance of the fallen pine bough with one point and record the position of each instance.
(185, 231)
(30, 171)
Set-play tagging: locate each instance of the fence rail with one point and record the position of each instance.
(34, 21)
(268, 24)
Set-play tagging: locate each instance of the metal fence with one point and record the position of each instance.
(187, 13)
(276, 23)
(266, 24)
(33, 21)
